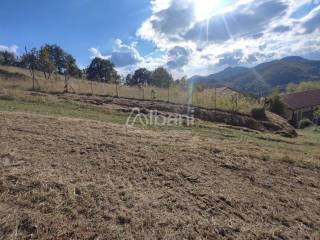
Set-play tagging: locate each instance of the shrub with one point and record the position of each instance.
(304, 123)
(317, 113)
(276, 105)
(258, 113)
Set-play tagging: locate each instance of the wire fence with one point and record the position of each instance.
(222, 98)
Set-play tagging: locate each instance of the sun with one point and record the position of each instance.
(204, 9)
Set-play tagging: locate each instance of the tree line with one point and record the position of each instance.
(52, 59)
(160, 77)
(48, 59)
(103, 70)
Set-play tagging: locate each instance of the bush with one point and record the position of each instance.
(317, 113)
(276, 105)
(304, 123)
(258, 113)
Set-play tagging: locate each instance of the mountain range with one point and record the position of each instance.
(263, 78)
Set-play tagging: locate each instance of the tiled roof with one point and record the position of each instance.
(224, 89)
(302, 99)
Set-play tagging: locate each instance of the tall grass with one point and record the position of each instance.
(179, 94)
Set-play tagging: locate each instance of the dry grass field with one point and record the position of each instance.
(73, 171)
(17, 78)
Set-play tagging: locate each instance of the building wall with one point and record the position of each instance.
(288, 113)
(298, 115)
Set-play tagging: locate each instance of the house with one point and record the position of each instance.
(222, 91)
(226, 91)
(302, 105)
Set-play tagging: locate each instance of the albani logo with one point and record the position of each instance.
(154, 118)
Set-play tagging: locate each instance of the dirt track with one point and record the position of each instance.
(74, 179)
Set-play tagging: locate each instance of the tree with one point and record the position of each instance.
(116, 80)
(275, 104)
(276, 92)
(161, 78)
(141, 77)
(303, 86)
(57, 56)
(70, 66)
(291, 87)
(101, 70)
(30, 60)
(7, 58)
(200, 86)
(129, 79)
(60, 60)
(45, 63)
(259, 113)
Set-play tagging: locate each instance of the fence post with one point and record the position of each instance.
(117, 91)
(168, 89)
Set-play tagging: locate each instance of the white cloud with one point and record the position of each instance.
(312, 21)
(245, 21)
(158, 5)
(127, 58)
(95, 53)
(149, 61)
(125, 55)
(246, 32)
(122, 55)
(178, 57)
(12, 49)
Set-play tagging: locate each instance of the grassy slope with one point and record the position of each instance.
(301, 151)
(17, 78)
(65, 178)
(72, 110)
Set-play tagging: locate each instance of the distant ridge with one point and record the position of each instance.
(266, 76)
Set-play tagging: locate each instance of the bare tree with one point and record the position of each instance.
(30, 61)
(91, 85)
(153, 95)
(168, 89)
(68, 68)
(117, 82)
(234, 102)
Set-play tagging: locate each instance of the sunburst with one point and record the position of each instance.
(204, 9)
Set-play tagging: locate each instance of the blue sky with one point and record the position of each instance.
(76, 25)
(186, 36)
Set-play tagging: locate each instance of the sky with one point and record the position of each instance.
(188, 37)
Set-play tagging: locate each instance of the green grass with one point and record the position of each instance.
(14, 102)
(64, 109)
(302, 151)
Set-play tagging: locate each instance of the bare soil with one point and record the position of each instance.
(62, 178)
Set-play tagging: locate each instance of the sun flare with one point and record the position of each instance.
(205, 8)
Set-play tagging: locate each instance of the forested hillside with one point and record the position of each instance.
(266, 76)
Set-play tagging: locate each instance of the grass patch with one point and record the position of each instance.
(303, 151)
(64, 109)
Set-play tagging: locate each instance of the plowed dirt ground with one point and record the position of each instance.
(63, 178)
